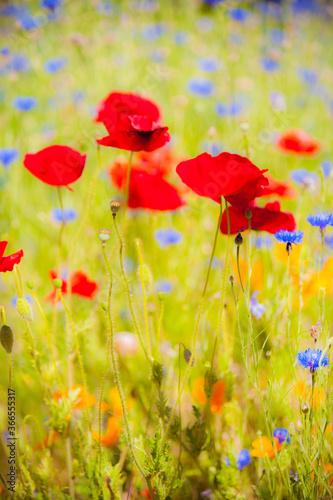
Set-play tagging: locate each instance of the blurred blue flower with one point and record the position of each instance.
(282, 435)
(51, 5)
(212, 147)
(233, 108)
(145, 6)
(215, 262)
(321, 220)
(55, 64)
(25, 103)
(205, 24)
(307, 76)
(257, 310)
(299, 6)
(207, 493)
(29, 22)
(326, 165)
(163, 286)
(212, 3)
(303, 176)
(277, 100)
(235, 39)
(8, 156)
(328, 240)
(276, 35)
(227, 461)
(209, 64)
(104, 8)
(180, 37)
(239, 14)
(152, 32)
(5, 51)
(269, 65)
(263, 241)
(284, 236)
(158, 54)
(310, 359)
(69, 214)
(166, 237)
(244, 459)
(128, 264)
(11, 10)
(77, 96)
(13, 300)
(201, 87)
(19, 62)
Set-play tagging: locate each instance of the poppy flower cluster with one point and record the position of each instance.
(80, 284)
(7, 263)
(218, 398)
(132, 122)
(298, 142)
(148, 187)
(77, 397)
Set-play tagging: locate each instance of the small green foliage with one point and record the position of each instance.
(196, 434)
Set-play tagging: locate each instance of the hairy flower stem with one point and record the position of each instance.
(79, 355)
(127, 289)
(138, 246)
(62, 227)
(9, 355)
(159, 327)
(128, 178)
(194, 335)
(239, 273)
(108, 344)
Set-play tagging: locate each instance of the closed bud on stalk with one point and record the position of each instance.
(187, 357)
(23, 309)
(7, 338)
(30, 285)
(161, 296)
(231, 279)
(244, 126)
(239, 239)
(305, 408)
(248, 214)
(104, 235)
(104, 306)
(57, 283)
(289, 247)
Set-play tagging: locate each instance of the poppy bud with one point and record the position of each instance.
(231, 279)
(289, 247)
(244, 126)
(7, 338)
(104, 235)
(30, 285)
(239, 240)
(248, 213)
(187, 356)
(104, 306)
(23, 309)
(305, 408)
(114, 206)
(161, 296)
(57, 283)
(268, 354)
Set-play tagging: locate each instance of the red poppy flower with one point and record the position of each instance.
(228, 175)
(298, 142)
(161, 161)
(56, 165)
(132, 122)
(268, 218)
(7, 263)
(146, 190)
(80, 285)
(279, 188)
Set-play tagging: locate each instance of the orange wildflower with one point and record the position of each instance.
(263, 447)
(304, 392)
(48, 440)
(257, 273)
(216, 401)
(77, 396)
(110, 438)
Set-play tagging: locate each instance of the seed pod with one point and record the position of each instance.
(114, 207)
(231, 279)
(23, 309)
(239, 240)
(104, 234)
(30, 285)
(248, 214)
(57, 283)
(7, 338)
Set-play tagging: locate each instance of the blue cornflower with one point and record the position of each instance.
(205, 24)
(239, 14)
(263, 242)
(326, 166)
(232, 108)
(5, 51)
(19, 62)
(269, 64)
(277, 36)
(303, 177)
(69, 214)
(55, 64)
(201, 87)
(209, 64)
(29, 22)
(8, 156)
(25, 103)
(282, 435)
(227, 461)
(180, 37)
(212, 3)
(244, 459)
(284, 236)
(277, 100)
(321, 220)
(307, 76)
(328, 240)
(166, 237)
(152, 32)
(212, 147)
(51, 5)
(310, 359)
(257, 310)
(164, 286)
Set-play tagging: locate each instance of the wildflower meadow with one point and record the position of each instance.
(166, 249)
